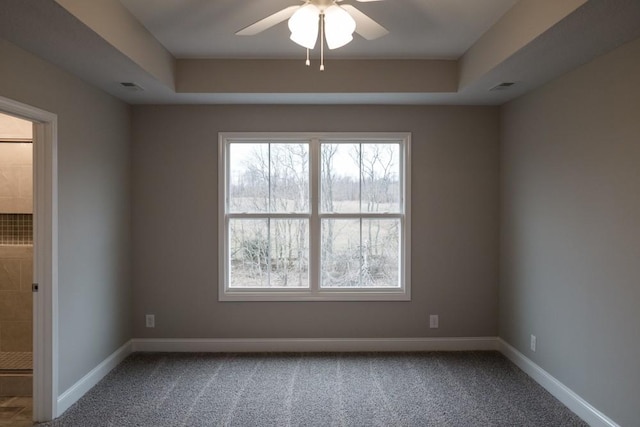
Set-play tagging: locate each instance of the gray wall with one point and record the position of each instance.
(454, 218)
(570, 248)
(94, 208)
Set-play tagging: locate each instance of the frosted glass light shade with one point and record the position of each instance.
(338, 26)
(303, 25)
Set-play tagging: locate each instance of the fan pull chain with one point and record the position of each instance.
(322, 42)
(307, 63)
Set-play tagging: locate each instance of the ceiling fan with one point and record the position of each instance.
(336, 22)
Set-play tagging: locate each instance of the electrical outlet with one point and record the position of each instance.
(433, 321)
(151, 320)
(533, 343)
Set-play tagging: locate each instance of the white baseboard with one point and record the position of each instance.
(233, 345)
(564, 394)
(76, 391)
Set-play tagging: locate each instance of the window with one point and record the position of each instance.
(314, 216)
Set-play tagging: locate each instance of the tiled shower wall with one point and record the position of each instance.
(16, 301)
(16, 248)
(16, 177)
(16, 229)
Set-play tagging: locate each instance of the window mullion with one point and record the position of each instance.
(370, 215)
(314, 221)
(361, 251)
(360, 211)
(270, 210)
(360, 176)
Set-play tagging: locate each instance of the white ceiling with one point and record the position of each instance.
(422, 29)
(442, 29)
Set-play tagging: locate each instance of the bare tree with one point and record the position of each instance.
(327, 154)
(275, 179)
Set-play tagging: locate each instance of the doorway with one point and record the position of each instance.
(16, 270)
(43, 257)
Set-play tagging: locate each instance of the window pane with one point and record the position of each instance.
(380, 178)
(380, 253)
(360, 253)
(248, 177)
(341, 255)
(290, 178)
(340, 177)
(289, 249)
(360, 177)
(269, 253)
(248, 253)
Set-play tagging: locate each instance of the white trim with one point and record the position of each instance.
(303, 294)
(314, 292)
(45, 273)
(405, 192)
(564, 394)
(236, 345)
(223, 246)
(76, 391)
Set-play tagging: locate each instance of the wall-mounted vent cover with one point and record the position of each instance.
(134, 87)
(502, 86)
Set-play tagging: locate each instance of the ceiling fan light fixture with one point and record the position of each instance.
(339, 26)
(303, 25)
(336, 25)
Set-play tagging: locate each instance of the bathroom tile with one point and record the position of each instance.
(9, 274)
(7, 190)
(14, 423)
(16, 154)
(5, 204)
(23, 411)
(18, 205)
(25, 182)
(17, 385)
(9, 176)
(13, 252)
(16, 305)
(6, 401)
(16, 336)
(16, 178)
(16, 229)
(8, 412)
(26, 274)
(22, 402)
(25, 306)
(23, 418)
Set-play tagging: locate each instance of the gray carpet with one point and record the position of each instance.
(346, 389)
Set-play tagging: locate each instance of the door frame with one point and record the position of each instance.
(45, 255)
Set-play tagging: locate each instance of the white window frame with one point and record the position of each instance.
(314, 292)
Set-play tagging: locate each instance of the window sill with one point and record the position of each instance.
(306, 295)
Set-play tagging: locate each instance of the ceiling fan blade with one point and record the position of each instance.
(267, 22)
(365, 26)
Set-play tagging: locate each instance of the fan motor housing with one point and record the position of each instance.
(322, 4)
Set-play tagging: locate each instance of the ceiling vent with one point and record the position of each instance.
(502, 86)
(130, 86)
